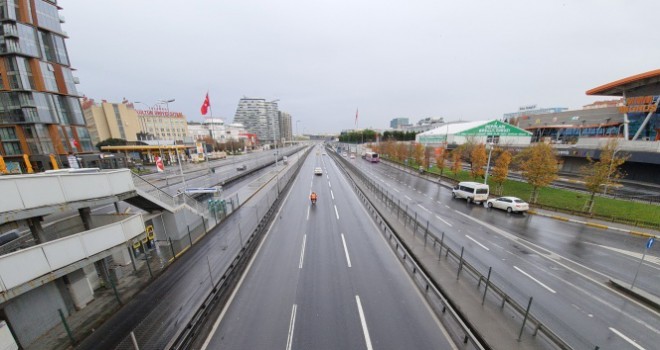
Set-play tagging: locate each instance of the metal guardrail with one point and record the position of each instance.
(529, 319)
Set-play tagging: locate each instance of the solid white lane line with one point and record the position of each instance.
(632, 342)
(396, 189)
(336, 212)
(332, 194)
(443, 220)
(348, 259)
(535, 280)
(292, 324)
(408, 198)
(421, 206)
(367, 338)
(308, 211)
(475, 241)
(302, 252)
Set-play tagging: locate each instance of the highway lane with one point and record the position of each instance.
(566, 292)
(325, 279)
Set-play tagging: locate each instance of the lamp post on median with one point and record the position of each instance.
(178, 158)
(153, 122)
(274, 119)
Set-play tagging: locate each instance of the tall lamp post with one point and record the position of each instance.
(178, 158)
(153, 122)
(271, 103)
(490, 152)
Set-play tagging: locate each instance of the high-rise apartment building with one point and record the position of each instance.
(259, 117)
(40, 113)
(286, 132)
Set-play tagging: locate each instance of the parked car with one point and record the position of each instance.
(241, 167)
(318, 171)
(471, 191)
(510, 204)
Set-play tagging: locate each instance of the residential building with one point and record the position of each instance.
(286, 131)
(259, 117)
(40, 113)
(111, 120)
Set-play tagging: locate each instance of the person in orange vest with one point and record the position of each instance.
(313, 197)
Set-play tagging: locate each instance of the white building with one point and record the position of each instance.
(216, 129)
(483, 131)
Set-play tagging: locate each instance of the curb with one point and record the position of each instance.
(594, 224)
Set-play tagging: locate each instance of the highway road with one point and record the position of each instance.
(564, 266)
(324, 278)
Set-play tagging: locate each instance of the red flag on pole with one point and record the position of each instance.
(159, 164)
(356, 116)
(206, 104)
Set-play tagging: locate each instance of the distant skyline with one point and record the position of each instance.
(325, 59)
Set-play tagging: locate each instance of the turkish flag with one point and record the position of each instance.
(159, 165)
(206, 104)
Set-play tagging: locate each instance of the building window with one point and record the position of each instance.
(27, 40)
(120, 125)
(47, 16)
(48, 73)
(12, 148)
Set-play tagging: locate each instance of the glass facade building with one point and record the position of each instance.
(40, 111)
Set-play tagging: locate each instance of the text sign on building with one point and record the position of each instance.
(640, 104)
(432, 138)
(495, 128)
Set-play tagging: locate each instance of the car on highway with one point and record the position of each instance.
(241, 167)
(318, 171)
(510, 204)
(352, 156)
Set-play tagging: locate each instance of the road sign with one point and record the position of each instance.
(649, 243)
(202, 190)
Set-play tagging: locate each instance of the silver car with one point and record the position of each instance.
(510, 204)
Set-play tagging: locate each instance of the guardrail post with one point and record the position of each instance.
(525, 318)
(415, 228)
(405, 219)
(460, 264)
(172, 248)
(442, 239)
(134, 341)
(66, 327)
(146, 259)
(483, 299)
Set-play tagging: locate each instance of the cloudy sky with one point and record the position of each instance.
(323, 59)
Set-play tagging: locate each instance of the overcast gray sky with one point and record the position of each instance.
(323, 59)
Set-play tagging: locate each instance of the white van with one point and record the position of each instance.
(472, 191)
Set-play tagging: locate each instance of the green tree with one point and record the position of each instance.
(538, 165)
(599, 175)
(440, 158)
(501, 171)
(111, 142)
(456, 165)
(478, 159)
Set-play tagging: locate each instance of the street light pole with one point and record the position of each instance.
(490, 152)
(153, 122)
(178, 158)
